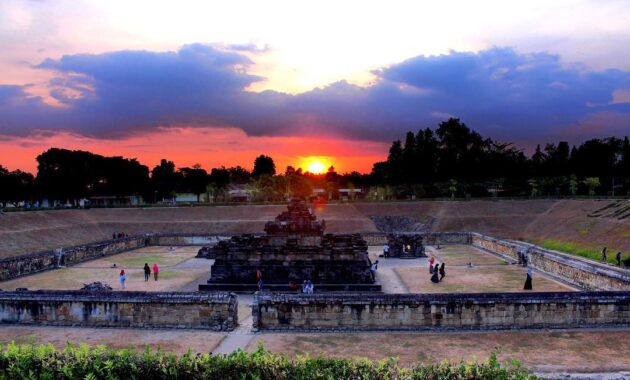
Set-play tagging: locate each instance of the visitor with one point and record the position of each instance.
(114, 236)
(147, 272)
(528, 280)
(308, 287)
(156, 271)
(604, 258)
(618, 258)
(374, 267)
(435, 277)
(292, 285)
(442, 271)
(431, 262)
(408, 248)
(122, 279)
(258, 274)
(260, 285)
(386, 250)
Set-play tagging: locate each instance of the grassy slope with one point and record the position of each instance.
(564, 222)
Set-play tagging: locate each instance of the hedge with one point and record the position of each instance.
(83, 362)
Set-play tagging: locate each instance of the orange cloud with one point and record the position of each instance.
(209, 147)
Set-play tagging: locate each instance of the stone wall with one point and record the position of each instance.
(578, 271)
(213, 311)
(360, 312)
(28, 264)
(183, 239)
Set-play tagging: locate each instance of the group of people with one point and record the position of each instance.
(122, 277)
(617, 256)
(436, 270)
(307, 285)
(119, 235)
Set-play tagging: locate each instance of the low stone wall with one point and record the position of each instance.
(213, 311)
(578, 271)
(360, 312)
(181, 239)
(429, 238)
(17, 266)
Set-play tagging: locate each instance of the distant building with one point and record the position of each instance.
(238, 193)
(350, 194)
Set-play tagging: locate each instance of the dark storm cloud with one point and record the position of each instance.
(499, 92)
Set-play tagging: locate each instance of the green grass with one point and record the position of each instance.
(139, 260)
(577, 249)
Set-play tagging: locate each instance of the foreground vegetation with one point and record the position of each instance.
(83, 362)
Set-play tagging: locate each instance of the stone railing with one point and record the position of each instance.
(212, 311)
(361, 312)
(578, 271)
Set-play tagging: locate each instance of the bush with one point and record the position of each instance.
(83, 362)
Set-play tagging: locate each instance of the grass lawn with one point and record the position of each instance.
(579, 249)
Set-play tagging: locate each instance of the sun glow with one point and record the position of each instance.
(315, 165)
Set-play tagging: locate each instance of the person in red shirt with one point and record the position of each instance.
(156, 271)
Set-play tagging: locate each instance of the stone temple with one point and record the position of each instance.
(294, 249)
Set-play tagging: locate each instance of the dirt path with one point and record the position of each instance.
(241, 337)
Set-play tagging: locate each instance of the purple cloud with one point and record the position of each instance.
(499, 92)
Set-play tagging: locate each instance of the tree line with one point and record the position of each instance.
(457, 161)
(450, 161)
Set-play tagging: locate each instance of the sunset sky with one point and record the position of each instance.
(218, 83)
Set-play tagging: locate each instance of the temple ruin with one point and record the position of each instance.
(294, 249)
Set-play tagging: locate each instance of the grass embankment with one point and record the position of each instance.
(590, 252)
(44, 362)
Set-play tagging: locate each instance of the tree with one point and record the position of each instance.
(592, 183)
(263, 165)
(165, 180)
(194, 180)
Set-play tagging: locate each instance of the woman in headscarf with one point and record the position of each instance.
(147, 272)
(122, 279)
(442, 272)
(435, 277)
(528, 280)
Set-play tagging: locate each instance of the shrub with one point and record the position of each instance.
(83, 362)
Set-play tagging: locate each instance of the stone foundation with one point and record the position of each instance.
(361, 312)
(212, 311)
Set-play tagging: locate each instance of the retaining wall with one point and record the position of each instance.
(578, 271)
(360, 312)
(213, 311)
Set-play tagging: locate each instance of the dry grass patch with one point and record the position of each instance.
(488, 274)
(174, 274)
(176, 341)
(588, 351)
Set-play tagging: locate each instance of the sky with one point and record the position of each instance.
(218, 83)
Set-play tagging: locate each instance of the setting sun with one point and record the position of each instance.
(315, 165)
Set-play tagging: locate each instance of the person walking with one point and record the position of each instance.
(435, 277)
(122, 279)
(374, 267)
(156, 271)
(618, 258)
(442, 271)
(528, 280)
(431, 262)
(147, 272)
(604, 258)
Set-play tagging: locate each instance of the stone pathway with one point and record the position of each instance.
(242, 335)
(586, 376)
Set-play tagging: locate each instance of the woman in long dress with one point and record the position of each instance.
(528, 280)
(435, 277)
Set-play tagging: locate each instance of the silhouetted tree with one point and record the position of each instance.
(263, 165)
